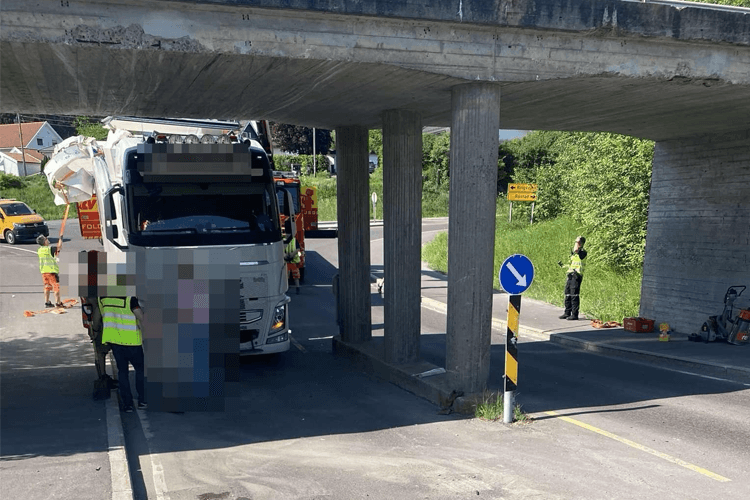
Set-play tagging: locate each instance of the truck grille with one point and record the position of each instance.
(248, 316)
(254, 285)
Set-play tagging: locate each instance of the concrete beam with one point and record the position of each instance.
(352, 162)
(402, 233)
(634, 68)
(471, 233)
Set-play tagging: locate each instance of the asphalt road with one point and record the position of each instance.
(310, 425)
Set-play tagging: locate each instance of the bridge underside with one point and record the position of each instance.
(679, 77)
(85, 80)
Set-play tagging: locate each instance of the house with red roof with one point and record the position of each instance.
(21, 147)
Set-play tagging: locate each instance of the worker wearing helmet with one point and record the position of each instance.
(575, 277)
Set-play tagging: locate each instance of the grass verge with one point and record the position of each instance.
(606, 294)
(492, 407)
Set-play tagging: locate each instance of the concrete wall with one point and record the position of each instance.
(698, 239)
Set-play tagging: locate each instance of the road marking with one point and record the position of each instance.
(21, 249)
(157, 469)
(321, 338)
(297, 344)
(637, 446)
(118, 459)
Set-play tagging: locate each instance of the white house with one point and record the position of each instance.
(11, 162)
(36, 136)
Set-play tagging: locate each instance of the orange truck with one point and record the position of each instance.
(305, 206)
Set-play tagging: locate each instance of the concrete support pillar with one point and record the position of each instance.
(402, 233)
(354, 233)
(698, 235)
(471, 233)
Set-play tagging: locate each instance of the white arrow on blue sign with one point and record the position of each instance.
(516, 274)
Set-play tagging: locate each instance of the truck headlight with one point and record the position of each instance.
(278, 320)
(16, 225)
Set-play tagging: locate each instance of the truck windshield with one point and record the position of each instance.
(293, 190)
(176, 214)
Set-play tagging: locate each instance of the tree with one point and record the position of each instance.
(88, 128)
(299, 140)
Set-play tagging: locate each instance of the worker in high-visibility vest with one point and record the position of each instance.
(50, 271)
(575, 277)
(291, 253)
(121, 318)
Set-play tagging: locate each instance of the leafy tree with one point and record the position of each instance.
(88, 128)
(436, 161)
(736, 3)
(296, 139)
(607, 183)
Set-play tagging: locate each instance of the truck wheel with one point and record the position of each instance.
(10, 237)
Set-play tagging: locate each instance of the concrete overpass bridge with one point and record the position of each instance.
(673, 72)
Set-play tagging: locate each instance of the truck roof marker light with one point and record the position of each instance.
(175, 139)
(192, 139)
(207, 139)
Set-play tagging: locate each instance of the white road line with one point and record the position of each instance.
(21, 249)
(157, 469)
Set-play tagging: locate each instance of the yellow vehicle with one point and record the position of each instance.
(19, 222)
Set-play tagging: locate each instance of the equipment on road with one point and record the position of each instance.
(725, 327)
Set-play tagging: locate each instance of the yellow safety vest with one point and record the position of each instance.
(119, 325)
(291, 247)
(47, 263)
(576, 264)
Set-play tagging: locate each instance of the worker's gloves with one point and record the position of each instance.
(289, 257)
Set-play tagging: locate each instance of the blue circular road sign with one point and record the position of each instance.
(516, 274)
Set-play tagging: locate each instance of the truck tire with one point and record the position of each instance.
(10, 237)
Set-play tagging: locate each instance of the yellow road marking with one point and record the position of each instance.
(297, 344)
(637, 446)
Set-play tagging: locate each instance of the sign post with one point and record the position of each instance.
(516, 275)
(522, 192)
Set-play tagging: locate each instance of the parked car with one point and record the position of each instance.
(19, 222)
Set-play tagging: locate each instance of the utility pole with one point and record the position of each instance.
(20, 136)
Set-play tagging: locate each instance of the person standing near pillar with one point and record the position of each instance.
(575, 277)
(121, 319)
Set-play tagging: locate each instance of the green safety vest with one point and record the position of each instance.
(47, 263)
(119, 325)
(291, 247)
(576, 264)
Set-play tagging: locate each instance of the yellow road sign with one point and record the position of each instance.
(522, 188)
(523, 196)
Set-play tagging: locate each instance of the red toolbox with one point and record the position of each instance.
(638, 325)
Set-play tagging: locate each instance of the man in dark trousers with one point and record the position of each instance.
(121, 319)
(575, 277)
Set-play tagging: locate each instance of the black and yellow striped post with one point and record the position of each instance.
(511, 357)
